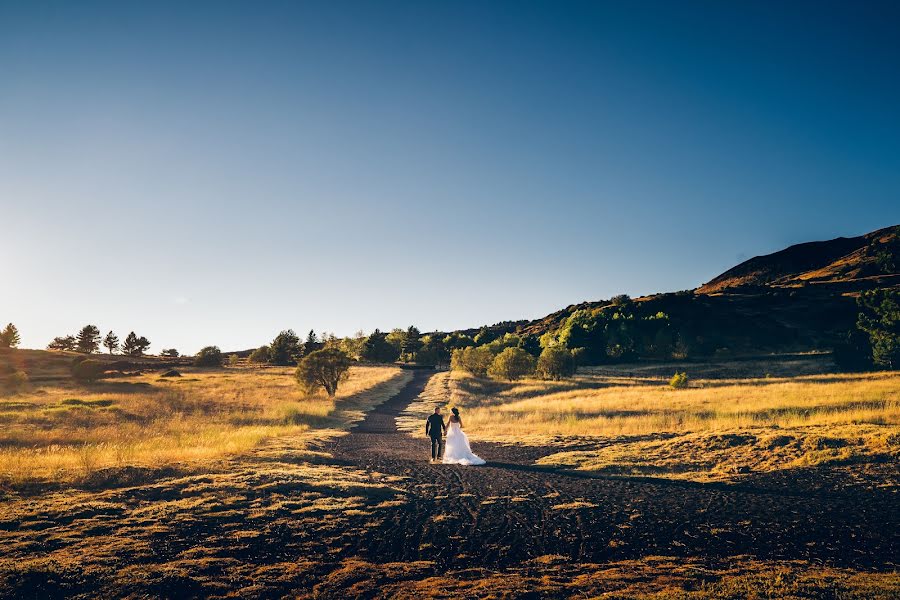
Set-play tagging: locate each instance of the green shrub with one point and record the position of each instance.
(209, 356)
(233, 360)
(679, 381)
(88, 370)
(556, 362)
(511, 364)
(474, 360)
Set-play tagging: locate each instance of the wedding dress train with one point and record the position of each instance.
(457, 450)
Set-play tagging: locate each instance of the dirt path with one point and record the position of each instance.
(509, 511)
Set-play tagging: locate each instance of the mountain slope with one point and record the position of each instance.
(838, 260)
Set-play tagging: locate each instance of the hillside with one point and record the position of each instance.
(840, 260)
(798, 299)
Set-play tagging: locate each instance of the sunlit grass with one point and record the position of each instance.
(65, 430)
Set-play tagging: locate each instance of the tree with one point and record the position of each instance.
(234, 360)
(411, 343)
(285, 348)
(169, 353)
(88, 339)
(879, 317)
(484, 336)
(260, 355)
(511, 364)
(312, 343)
(433, 351)
(530, 344)
(555, 362)
(131, 346)
(395, 338)
(377, 348)
(9, 337)
(66, 342)
(111, 341)
(473, 359)
(143, 344)
(323, 369)
(679, 381)
(620, 300)
(209, 356)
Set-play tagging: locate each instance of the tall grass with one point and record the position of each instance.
(63, 431)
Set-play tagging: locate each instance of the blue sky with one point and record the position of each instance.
(211, 173)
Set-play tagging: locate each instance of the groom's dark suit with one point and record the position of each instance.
(434, 428)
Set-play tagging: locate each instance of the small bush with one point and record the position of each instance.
(233, 360)
(88, 370)
(15, 382)
(209, 356)
(511, 364)
(679, 381)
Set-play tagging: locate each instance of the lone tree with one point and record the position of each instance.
(111, 341)
(65, 342)
(9, 337)
(512, 364)
(323, 369)
(285, 348)
(88, 339)
(555, 362)
(210, 356)
(377, 349)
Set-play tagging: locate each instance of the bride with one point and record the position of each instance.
(457, 450)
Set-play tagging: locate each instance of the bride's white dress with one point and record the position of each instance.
(457, 450)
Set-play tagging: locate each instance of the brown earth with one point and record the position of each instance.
(370, 517)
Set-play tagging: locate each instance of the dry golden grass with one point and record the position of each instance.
(62, 430)
(714, 429)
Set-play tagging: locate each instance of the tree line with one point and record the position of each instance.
(88, 341)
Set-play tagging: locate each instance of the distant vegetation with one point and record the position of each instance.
(210, 356)
(9, 337)
(323, 369)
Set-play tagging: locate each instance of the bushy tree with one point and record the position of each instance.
(433, 351)
(88, 339)
(65, 342)
(484, 336)
(260, 355)
(233, 360)
(323, 369)
(457, 340)
(209, 356)
(530, 344)
(377, 349)
(111, 342)
(555, 362)
(395, 338)
(511, 364)
(143, 344)
(620, 300)
(170, 353)
(285, 348)
(9, 337)
(473, 359)
(879, 317)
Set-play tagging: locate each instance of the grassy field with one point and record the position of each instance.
(719, 428)
(58, 430)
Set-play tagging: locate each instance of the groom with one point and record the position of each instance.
(435, 428)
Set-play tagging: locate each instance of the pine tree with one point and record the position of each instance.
(130, 346)
(312, 343)
(111, 341)
(9, 337)
(285, 348)
(88, 339)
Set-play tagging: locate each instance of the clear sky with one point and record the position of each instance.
(211, 173)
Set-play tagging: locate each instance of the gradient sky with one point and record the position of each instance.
(211, 173)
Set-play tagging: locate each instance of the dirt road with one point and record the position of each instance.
(509, 510)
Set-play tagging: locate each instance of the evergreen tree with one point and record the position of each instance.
(130, 346)
(88, 339)
(143, 344)
(111, 341)
(285, 348)
(9, 337)
(880, 318)
(411, 343)
(312, 343)
(377, 349)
